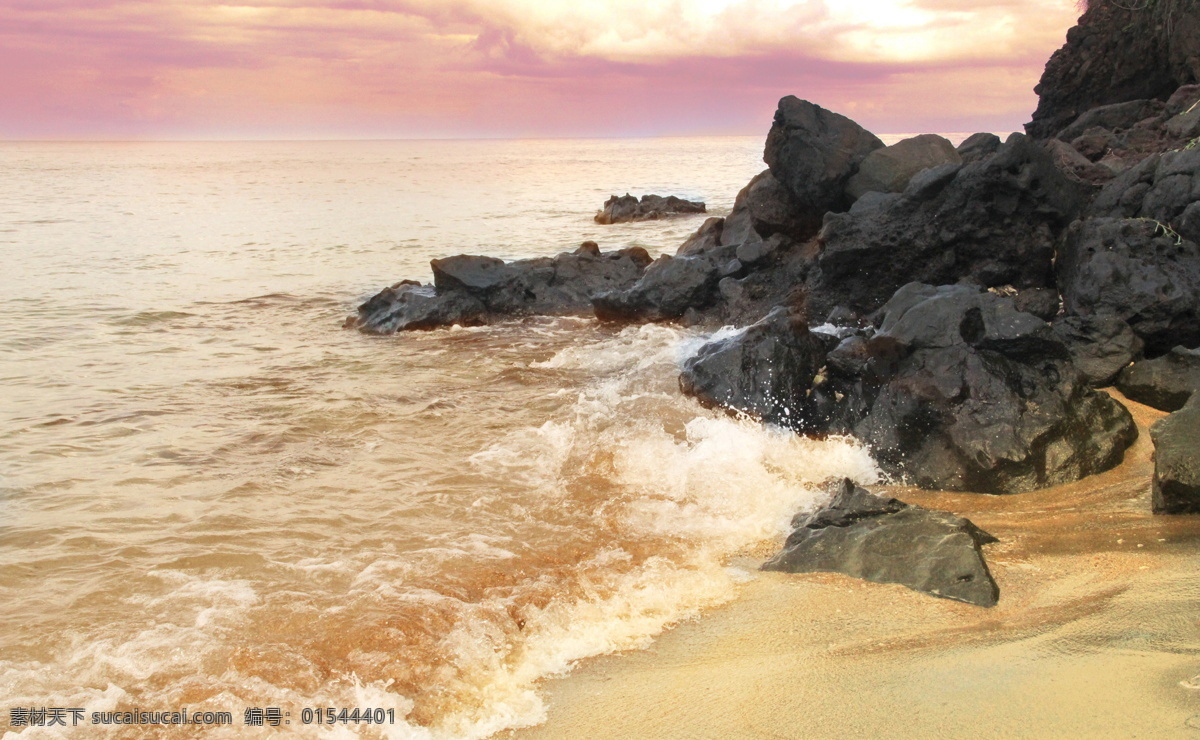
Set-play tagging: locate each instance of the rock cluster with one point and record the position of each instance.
(623, 208)
(955, 390)
(982, 292)
(471, 290)
(978, 296)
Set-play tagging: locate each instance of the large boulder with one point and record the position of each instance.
(813, 152)
(766, 370)
(958, 390)
(1100, 346)
(472, 290)
(1166, 382)
(884, 540)
(669, 287)
(1138, 272)
(1176, 488)
(889, 169)
(623, 208)
(995, 222)
(1119, 52)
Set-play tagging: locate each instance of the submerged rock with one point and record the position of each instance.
(1166, 382)
(884, 540)
(472, 290)
(623, 208)
(1176, 438)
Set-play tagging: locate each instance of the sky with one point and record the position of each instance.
(379, 69)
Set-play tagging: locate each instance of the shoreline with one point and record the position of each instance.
(1094, 634)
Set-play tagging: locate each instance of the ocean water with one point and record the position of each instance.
(214, 497)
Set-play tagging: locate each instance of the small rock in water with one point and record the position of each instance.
(884, 540)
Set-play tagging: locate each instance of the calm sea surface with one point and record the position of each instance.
(214, 497)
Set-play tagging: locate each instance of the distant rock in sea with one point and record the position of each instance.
(623, 208)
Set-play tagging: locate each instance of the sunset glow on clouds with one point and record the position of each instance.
(432, 68)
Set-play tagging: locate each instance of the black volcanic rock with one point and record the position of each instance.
(471, 290)
(1165, 382)
(1176, 488)
(1100, 346)
(766, 370)
(669, 287)
(1114, 117)
(884, 540)
(764, 208)
(813, 152)
(410, 306)
(995, 221)
(888, 170)
(978, 146)
(1118, 53)
(958, 390)
(623, 208)
(1134, 270)
(1163, 187)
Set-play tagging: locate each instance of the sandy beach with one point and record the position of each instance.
(1097, 635)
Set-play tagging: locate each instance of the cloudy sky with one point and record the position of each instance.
(482, 68)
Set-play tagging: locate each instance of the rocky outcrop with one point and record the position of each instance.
(472, 290)
(1166, 382)
(889, 169)
(1100, 346)
(813, 153)
(1119, 52)
(884, 540)
(1176, 488)
(766, 371)
(995, 221)
(624, 208)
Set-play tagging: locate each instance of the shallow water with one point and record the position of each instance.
(214, 497)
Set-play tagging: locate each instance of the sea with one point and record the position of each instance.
(219, 505)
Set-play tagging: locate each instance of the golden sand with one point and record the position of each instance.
(1097, 635)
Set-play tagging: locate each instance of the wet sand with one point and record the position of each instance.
(1097, 635)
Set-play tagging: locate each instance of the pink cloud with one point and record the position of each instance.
(403, 68)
